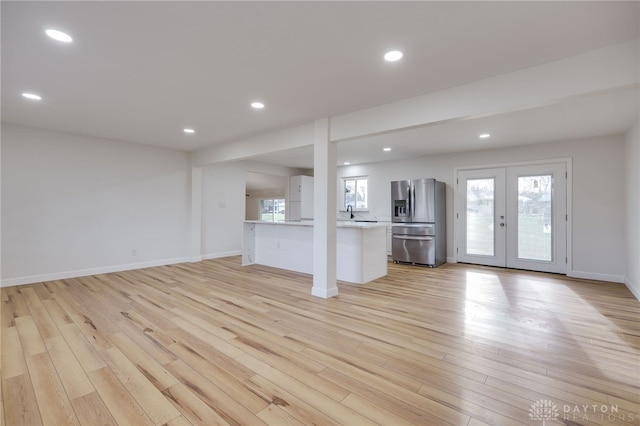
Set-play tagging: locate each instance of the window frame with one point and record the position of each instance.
(344, 193)
(280, 201)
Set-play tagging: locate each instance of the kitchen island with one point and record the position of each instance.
(361, 248)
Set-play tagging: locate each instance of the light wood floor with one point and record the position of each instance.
(216, 343)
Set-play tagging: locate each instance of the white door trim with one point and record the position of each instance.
(499, 256)
(558, 263)
(458, 203)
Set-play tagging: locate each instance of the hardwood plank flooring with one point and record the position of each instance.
(215, 343)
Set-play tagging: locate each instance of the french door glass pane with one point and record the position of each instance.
(534, 217)
(480, 216)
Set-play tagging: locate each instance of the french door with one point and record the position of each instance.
(514, 217)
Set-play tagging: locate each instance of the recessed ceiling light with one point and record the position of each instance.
(32, 96)
(257, 105)
(484, 136)
(189, 131)
(387, 149)
(59, 35)
(392, 56)
(346, 163)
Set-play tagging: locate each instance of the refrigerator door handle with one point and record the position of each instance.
(412, 196)
(408, 237)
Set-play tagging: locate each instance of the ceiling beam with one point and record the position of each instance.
(593, 72)
(293, 137)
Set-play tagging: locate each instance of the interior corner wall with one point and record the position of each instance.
(75, 205)
(598, 237)
(251, 207)
(223, 204)
(632, 190)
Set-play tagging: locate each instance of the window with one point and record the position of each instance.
(272, 210)
(355, 193)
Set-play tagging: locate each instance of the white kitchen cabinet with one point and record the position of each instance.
(389, 240)
(295, 185)
(294, 210)
(300, 197)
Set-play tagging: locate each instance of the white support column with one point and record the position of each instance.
(324, 212)
(195, 223)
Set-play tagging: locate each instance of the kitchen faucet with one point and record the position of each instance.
(350, 210)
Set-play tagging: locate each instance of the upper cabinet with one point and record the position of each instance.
(295, 186)
(300, 197)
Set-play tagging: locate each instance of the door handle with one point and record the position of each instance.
(406, 237)
(412, 197)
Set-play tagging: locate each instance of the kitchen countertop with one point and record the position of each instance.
(339, 223)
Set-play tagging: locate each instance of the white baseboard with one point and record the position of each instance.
(221, 254)
(9, 282)
(324, 293)
(633, 289)
(594, 276)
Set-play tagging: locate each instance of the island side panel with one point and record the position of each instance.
(362, 253)
(349, 255)
(285, 247)
(374, 254)
(361, 250)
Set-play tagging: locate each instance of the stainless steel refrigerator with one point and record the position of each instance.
(418, 210)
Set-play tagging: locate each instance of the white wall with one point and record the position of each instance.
(74, 205)
(223, 204)
(632, 186)
(598, 194)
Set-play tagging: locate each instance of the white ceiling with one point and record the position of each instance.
(142, 71)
